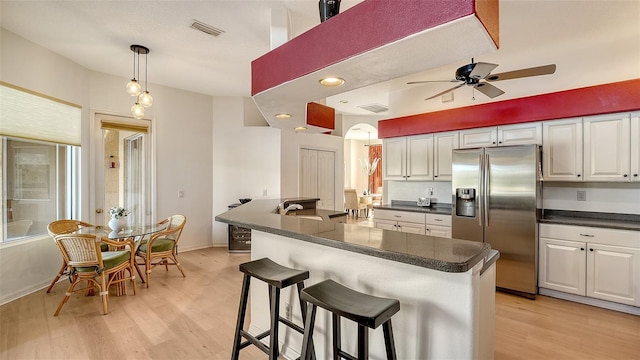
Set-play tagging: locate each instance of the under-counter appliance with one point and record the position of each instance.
(239, 237)
(496, 199)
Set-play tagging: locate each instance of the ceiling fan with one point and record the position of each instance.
(477, 74)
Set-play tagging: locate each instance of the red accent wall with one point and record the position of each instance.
(321, 115)
(592, 100)
(366, 26)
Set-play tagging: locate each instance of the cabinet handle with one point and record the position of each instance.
(625, 175)
(398, 216)
(499, 142)
(437, 219)
(578, 175)
(590, 249)
(581, 249)
(587, 235)
(493, 142)
(635, 175)
(435, 175)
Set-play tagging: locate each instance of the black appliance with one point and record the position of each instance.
(239, 237)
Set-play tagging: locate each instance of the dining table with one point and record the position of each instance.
(135, 233)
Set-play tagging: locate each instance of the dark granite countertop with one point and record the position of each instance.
(442, 254)
(591, 219)
(435, 208)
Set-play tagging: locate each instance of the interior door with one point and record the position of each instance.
(121, 169)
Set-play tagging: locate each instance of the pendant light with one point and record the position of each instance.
(143, 98)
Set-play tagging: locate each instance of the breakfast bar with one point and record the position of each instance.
(446, 287)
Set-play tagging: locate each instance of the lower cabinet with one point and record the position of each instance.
(438, 225)
(594, 262)
(405, 221)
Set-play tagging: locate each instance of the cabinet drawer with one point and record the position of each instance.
(440, 220)
(591, 234)
(399, 215)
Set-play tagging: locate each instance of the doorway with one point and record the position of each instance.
(122, 169)
(317, 176)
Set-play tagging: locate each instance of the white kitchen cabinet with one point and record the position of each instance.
(443, 145)
(607, 147)
(404, 221)
(505, 135)
(594, 262)
(438, 225)
(635, 146)
(562, 150)
(408, 158)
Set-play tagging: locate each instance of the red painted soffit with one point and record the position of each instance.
(592, 100)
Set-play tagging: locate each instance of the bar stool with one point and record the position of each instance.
(277, 277)
(366, 310)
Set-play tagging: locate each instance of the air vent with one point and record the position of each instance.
(374, 108)
(206, 28)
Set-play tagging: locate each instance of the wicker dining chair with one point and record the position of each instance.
(60, 227)
(162, 247)
(87, 262)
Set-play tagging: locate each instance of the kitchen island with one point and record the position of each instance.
(446, 287)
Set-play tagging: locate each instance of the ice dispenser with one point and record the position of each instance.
(466, 202)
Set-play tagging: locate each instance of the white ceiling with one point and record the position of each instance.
(591, 41)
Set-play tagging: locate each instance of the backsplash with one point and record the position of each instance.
(620, 198)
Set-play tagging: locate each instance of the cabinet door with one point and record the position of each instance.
(520, 134)
(607, 147)
(562, 266)
(413, 228)
(439, 231)
(386, 225)
(613, 273)
(562, 150)
(443, 145)
(420, 157)
(635, 146)
(482, 137)
(394, 152)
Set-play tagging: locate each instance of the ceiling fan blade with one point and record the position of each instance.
(430, 81)
(488, 89)
(446, 91)
(534, 71)
(481, 70)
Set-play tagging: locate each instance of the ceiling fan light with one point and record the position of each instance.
(133, 87)
(137, 111)
(145, 99)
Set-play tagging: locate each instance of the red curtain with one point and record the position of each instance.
(375, 180)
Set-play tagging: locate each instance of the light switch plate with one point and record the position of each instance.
(582, 195)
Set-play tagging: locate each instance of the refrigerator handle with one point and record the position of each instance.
(481, 194)
(486, 191)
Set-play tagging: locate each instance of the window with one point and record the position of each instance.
(39, 154)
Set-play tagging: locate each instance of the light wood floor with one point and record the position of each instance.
(194, 318)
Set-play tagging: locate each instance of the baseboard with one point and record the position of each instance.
(634, 310)
(7, 298)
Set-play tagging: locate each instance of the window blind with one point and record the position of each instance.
(30, 115)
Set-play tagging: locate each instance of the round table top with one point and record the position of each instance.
(125, 233)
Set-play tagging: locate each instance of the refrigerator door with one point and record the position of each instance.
(511, 214)
(467, 194)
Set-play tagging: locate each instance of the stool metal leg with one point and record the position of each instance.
(388, 340)
(244, 295)
(337, 336)
(275, 319)
(307, 340)
(363, 342)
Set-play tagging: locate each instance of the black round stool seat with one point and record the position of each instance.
(277, 277)
(367, 311)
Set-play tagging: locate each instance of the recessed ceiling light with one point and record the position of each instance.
(332, 81)
(300, 128)
(283, 116)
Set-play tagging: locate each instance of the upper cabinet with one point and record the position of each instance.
(562, 150)
(443, 145)
(518, 134)
(635, 146)
(408, 158)
(607, 147)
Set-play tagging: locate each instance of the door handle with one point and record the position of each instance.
(481, 190)
(98, 211)
(487, 183)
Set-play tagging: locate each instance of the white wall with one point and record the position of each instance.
(412, 190)
(291, 144)
(246, 160)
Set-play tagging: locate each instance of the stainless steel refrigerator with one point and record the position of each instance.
(496, 199)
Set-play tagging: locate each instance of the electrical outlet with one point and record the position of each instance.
(582, 195)
(430, 191)
(180, 193)
(264, 192)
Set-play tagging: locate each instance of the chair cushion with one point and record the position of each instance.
(109, 259)
(160, 244)
(104, 247)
